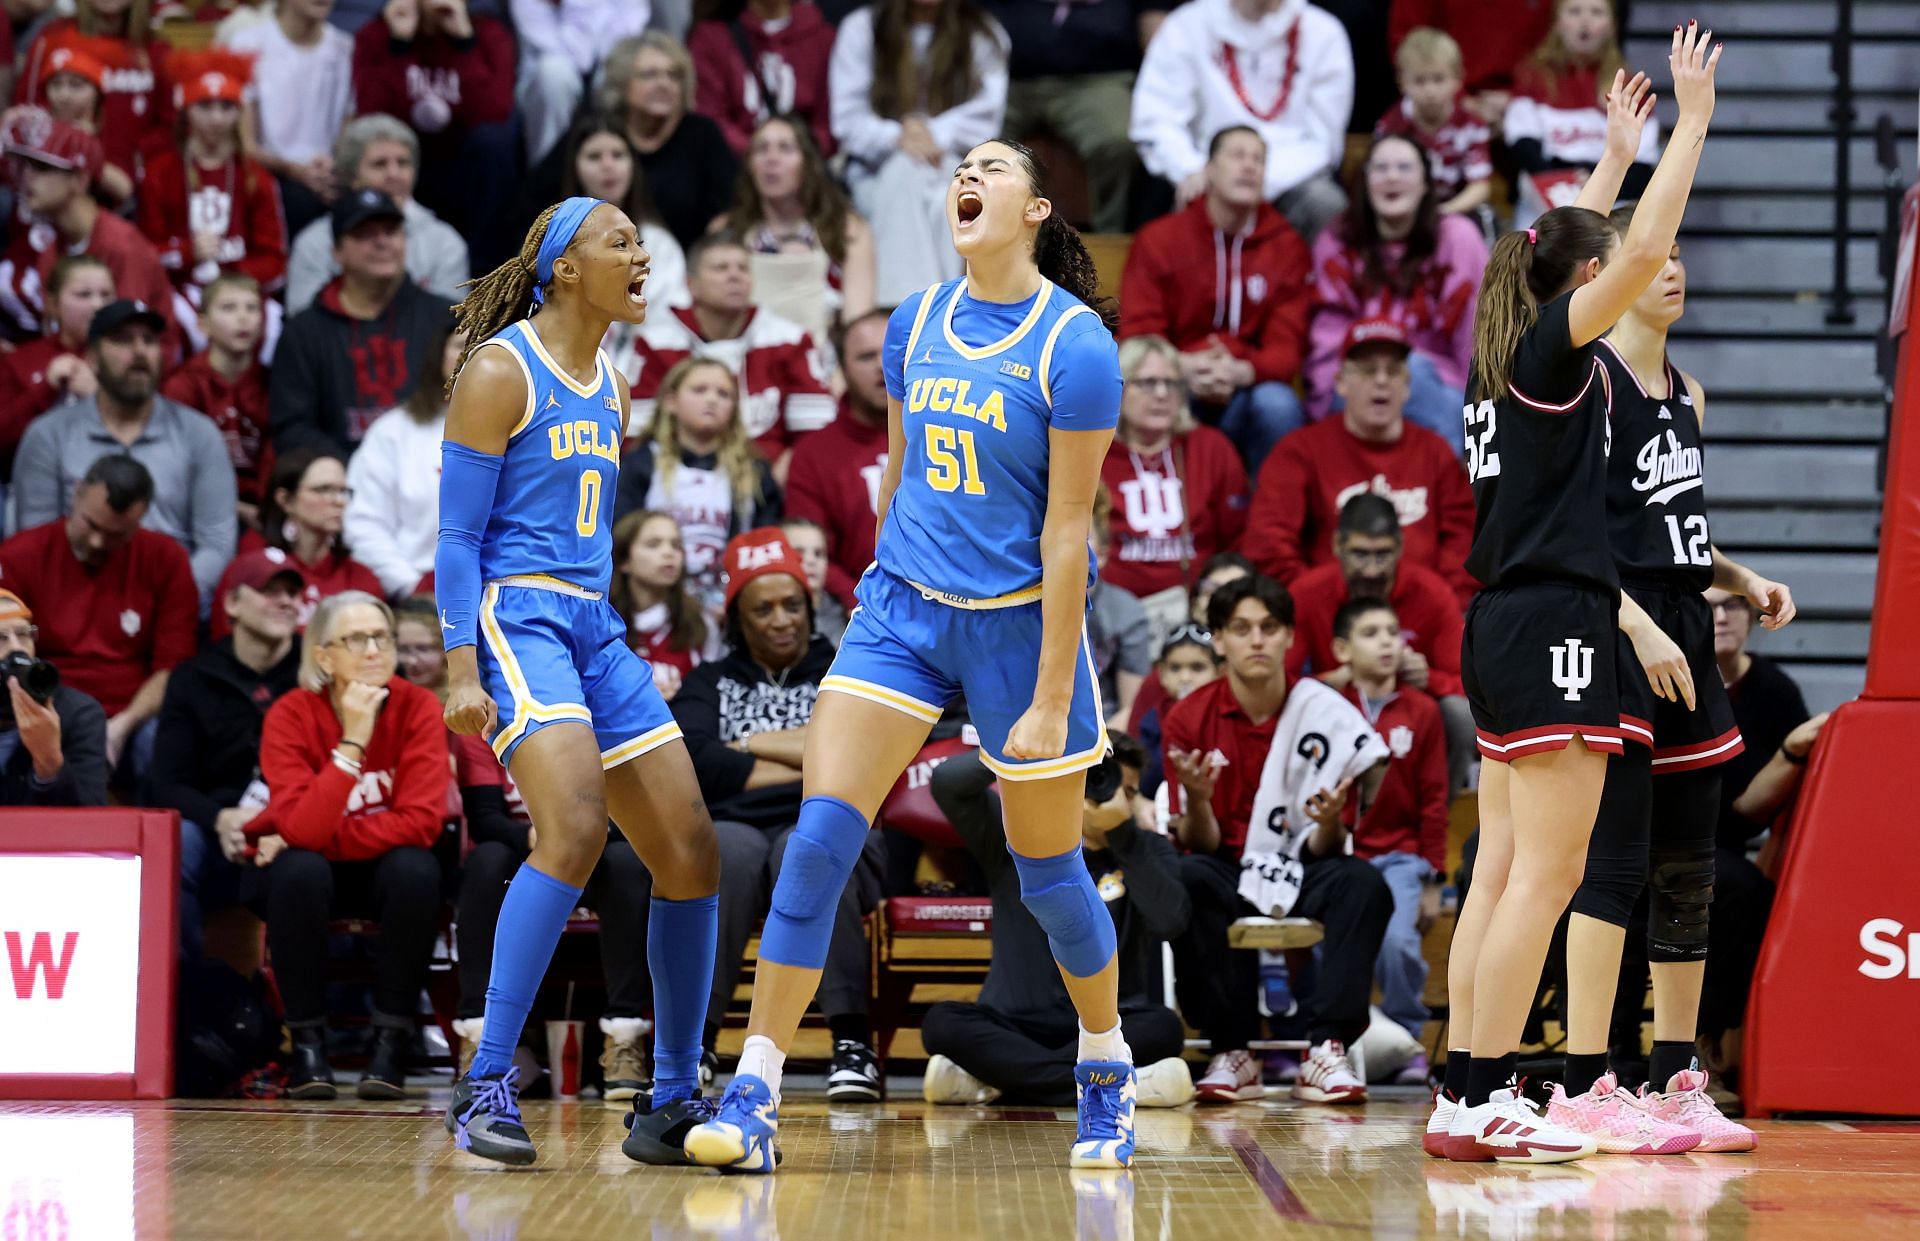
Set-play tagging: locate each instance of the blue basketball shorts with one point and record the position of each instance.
(551, 651)
(907, 650)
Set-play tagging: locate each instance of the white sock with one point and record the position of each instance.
(761, 1059)
(1106, 1046)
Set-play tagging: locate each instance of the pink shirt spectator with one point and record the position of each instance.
(1438, 314)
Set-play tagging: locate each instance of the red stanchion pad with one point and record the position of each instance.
(1832, 1022)
(1893, 656)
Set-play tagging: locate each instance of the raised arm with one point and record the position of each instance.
(1629, 106)
(1598, 304)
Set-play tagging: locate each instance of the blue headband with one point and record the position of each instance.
(567, 219)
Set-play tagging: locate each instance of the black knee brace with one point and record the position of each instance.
(1686, 808)
(1617, 851)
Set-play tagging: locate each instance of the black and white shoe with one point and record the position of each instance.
(709, 1068)
(855, 1075)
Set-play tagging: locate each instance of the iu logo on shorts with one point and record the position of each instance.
(1573, 667)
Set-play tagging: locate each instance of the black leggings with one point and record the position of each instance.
(1657, 831)
(400, 889)
(618, 891)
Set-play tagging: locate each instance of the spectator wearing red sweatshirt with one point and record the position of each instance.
(204, 204)
(1369, 447)
(1242, 335)
(226, 382)
(791, 45)
(58, 164)
(356, 767)
(51, 368)
(1368, 564)
(301, 517)
(136, 113)
(1179, 490)
(783, 396)
(450, 75)
(834, 477)
(1404, 832)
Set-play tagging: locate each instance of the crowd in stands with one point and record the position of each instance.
(232, 237)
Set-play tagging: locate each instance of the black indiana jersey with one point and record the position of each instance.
(1656, 503)
(1537, 457)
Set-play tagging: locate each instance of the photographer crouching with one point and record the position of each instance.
(53, 740)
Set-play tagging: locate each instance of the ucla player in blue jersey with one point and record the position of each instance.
(1003, 391)
(538, 662)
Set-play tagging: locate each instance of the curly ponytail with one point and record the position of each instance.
(1058, 250)
(502, 296)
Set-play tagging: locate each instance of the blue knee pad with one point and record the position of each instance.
(1060, 895)
(820, 855)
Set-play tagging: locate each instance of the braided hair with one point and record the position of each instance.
(1058, 251)
(502, 296)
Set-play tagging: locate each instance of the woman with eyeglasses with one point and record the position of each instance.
(1179, 489)
(356, 768)
(305, 511)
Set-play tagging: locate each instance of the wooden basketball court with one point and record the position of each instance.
(910, 1171)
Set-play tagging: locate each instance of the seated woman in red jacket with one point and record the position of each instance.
(305, 509)
(205, 205)
(356, 767)
(42, 373)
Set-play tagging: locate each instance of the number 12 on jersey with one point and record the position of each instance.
(1693, 547)
(1483, 461)
(947, 471)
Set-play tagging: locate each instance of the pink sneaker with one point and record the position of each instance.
(1617, 1122)
(1232, 1077)
(1686, 1103)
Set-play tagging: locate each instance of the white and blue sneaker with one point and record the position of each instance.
(743, 1135)
(1106, 1090)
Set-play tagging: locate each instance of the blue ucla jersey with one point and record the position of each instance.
(981, 384)
(553, 512)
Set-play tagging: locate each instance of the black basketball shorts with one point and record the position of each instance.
(1682, 740)
(1540, 663)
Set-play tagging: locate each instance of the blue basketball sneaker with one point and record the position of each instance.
(484, 1118)
(1106, 1090)
(743, 1135)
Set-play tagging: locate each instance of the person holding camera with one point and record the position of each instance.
(1020, 1041)
(53, 739)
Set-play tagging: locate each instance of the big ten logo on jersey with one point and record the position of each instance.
(1482, 423)
(583, 438)
(1019, 370)
(1409, 502)
(1572, 667)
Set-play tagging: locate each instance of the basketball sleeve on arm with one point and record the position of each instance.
(893, 354)
(1080, 376)
(468, 480)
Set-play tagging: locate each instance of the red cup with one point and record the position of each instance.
(564, 1041)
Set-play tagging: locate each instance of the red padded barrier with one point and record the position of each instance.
(1893, 656)
(910, 807)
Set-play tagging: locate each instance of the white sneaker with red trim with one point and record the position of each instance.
(1327, 1076)
(1508, 1128)
(1232, 1077)
(1434, 1140)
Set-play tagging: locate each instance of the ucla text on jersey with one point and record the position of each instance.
(553, 511)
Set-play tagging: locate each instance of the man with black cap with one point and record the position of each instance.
(194, 491)
(207, 753)
(53, 739)
(361, 347)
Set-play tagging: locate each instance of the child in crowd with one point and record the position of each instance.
(1404, 832)
(76, 77)
(136, 106)
(1430, 111)
(1186, 663)
(698, 464)
(206, 206)
(53, 368)
(808, 539)
(665, 624)
(1556, 123)
(227, 382)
